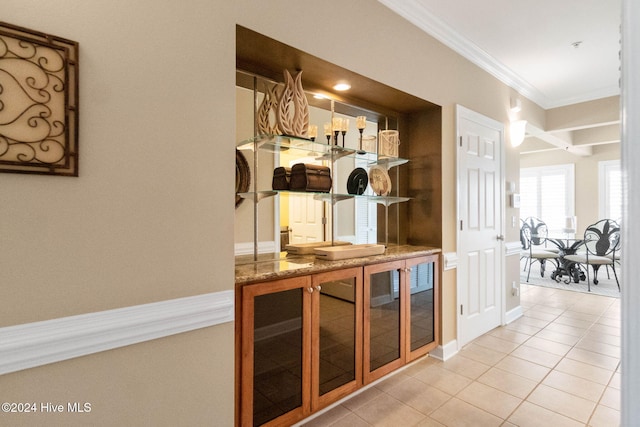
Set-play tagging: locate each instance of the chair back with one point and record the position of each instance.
(524, 241)
(534, 232)
(602, 238)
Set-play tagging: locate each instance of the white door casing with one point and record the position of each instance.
(480, 231)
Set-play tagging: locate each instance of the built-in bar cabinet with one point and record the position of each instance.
(308, 341)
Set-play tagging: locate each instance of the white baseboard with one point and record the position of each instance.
(445, 352)
(513, 314)
(39, 343)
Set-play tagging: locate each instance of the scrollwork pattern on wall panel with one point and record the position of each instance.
(38, 102)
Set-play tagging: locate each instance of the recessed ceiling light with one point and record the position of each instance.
(342, 86)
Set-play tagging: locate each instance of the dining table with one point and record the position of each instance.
(566, 268)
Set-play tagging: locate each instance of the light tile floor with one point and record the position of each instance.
(558, 365)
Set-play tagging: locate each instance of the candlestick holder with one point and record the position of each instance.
(343, 129)
(327, 132)
(360, 150)
(361, 123)
(313, 132)
(336, 124)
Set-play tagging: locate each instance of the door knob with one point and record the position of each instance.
(500, 237)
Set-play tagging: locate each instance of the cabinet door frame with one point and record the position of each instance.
(319, 402)
(411, 262)
(249, 292)
(368, 375)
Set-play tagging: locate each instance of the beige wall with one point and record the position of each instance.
(176, 381)
(586, 177)
(150, 217)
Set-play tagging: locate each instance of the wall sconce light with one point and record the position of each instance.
(517, 131)
(515, 105)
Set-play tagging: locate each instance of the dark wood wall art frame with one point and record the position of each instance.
(38, 102)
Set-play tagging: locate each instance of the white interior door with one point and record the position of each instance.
(306, 215)
(480, 224)
(306, 219)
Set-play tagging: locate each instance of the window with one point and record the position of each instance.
(548, 193)
(610, 190)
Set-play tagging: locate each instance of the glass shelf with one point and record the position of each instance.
(335, 153)
(325, 197)
(318, 149)
(388, 200)
(338, 197)
(258, 195)
(383, 200)
(389, 162)
(279, 143)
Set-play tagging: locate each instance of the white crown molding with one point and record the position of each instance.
(412, 11)
(39, 343)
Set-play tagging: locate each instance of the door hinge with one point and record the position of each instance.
(460, 225)
(324, 220)
(461, 310)
(460, 141)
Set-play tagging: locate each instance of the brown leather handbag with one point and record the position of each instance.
(306, 177)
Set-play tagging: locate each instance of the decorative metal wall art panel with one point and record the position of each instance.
(38, 102)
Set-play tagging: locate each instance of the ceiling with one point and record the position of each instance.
(531, 45)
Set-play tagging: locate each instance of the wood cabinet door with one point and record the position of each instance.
(422, 305)
(384, 321)
(276, 347)
(336, 335)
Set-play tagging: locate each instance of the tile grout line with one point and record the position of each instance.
(563, 357)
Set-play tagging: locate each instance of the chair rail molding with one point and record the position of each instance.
(512, 248)
(40, 343)
(450, 260)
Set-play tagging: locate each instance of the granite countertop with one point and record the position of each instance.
(279, 266)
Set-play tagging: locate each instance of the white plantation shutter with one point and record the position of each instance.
(548, 193)
(610, 186)
(366, 213)
(528, 196)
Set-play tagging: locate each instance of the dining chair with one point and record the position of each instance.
(533, 237)
(601, 242)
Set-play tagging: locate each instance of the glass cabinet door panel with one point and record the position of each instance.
(337, 335)
(384, 318)
(422, 307)
(278, 352)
